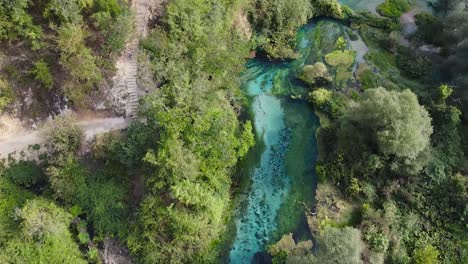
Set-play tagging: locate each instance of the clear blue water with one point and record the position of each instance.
(284, 177)
(287, 129)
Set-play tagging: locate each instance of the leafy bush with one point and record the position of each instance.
(393, 8)
(315, 74)
(392, 123)
(411, 64)
(16, 23)
(79, 62)
(24, 173)
(327, 101)
(42, 74)
(114, 30)
(426, 255)
(6, 94)
(340, 246)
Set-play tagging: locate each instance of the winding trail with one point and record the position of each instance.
(21, 140)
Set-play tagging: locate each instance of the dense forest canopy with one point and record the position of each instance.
(392, 184)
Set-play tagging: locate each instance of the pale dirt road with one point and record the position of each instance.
(91, 127)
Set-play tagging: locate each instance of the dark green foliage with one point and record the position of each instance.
(393, 8)
(105, 201)
(24, 173)
(67, 178)
(411, 64)
(430, 29)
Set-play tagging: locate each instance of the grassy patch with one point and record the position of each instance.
(340, 58)
(393, 8)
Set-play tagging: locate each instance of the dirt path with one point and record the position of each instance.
(21, 141)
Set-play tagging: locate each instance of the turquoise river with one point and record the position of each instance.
(283, 178)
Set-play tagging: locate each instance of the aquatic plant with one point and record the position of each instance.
(340, 58)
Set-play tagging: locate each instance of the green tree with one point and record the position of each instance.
(63, 136)
(6, 94)
(79, 62)
(24, 173)
(44, 236)
(17, 23)
(426, 255)
(340, 246)
(42, 74)
(391, 123)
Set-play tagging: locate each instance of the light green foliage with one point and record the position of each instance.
(11, 197)
(445, 91)
(16, 23)
(377, 241)
(426, 255)
(193, 135)
(327, 101)
(393, 8)
(340, 246)
(395, 122)
(341, 43)
(278, 21)
(113, 7)
(315, 74)
(42, 74)
(105, 201)
(24, 173)
(44, 236)
(6, 94)
(340, 58)
(78, 61)
(115, 30)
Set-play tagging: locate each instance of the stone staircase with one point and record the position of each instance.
(141, 9)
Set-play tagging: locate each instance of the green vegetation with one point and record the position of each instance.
(6, 94)
(87, 35)
(276, 22)
(315, 74)
(393, 8)
(42, 74)
(392, 176)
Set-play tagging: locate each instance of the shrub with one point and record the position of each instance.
(6, 94)
(42, 74)
(393, 8)
(411, 64)
(340, 58)
(24, 173)
(315, 74)
(426, 255)
(327, 101)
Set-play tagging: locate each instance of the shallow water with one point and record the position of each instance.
(283, 180)
(284, 177)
